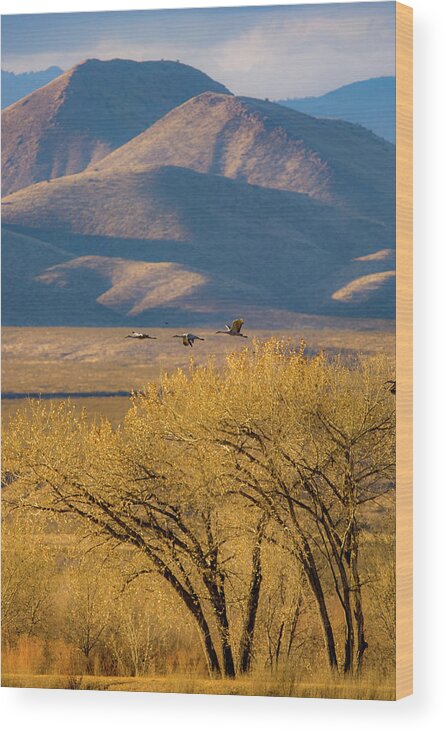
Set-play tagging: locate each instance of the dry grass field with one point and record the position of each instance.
(361, 688)
(93, 360)
(72, 360)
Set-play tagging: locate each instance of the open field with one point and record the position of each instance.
(79, 361)
(70, 360)
(363, 688)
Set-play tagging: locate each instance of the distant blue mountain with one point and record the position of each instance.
(16, 86)
(371, 103)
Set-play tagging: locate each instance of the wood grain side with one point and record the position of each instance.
(404, 350)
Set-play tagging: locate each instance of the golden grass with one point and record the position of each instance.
(365, 687)
(70, 360)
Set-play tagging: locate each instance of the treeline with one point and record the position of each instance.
(242, 518)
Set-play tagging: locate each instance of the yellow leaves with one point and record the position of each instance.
(200, 457)
(194, 427)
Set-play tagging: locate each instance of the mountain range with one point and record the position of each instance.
(16, 86)
(89, 111)
(371, 103)
(182, 200)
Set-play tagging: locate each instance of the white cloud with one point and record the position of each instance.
(273, 52)
(301, 56)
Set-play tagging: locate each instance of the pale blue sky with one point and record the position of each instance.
(276, 51)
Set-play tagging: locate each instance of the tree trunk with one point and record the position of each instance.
(191, 600)
(316, 587)
(279, 644)
(357, 595)
(294, 624)
(210, 651)
(219, 600)
(342, 561)
(350, 633)
(247, 640)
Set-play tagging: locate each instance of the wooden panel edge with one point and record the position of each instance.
(404, 351)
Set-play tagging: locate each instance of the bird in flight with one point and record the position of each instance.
(392, 387)
(188, 338)
(140, 336)
(234, 329)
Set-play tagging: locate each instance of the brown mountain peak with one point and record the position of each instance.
(266, 144)
(89, 111)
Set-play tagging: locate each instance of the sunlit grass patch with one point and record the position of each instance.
(354, 688)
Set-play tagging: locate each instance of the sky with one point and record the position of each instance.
(276, 51)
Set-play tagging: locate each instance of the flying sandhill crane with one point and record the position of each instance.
(392, 387)
(234, 329)
(188, 338)
(141, 336)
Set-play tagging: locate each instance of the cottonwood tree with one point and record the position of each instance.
(212, 465)
(136, 487)
(381, 588)
(309, 443)
(28, 581)
(283, 611)
(145, 621)
(88, 605)
(216, 552)
(312, 443)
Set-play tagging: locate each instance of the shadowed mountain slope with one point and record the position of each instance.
(25, 299)
(235, 244)
(369, 280)
(16, 86)
(89, 111)
(46, 284)
(133, 286)
(371, 103)
(268, 145)
(173, 203)
(366, 287)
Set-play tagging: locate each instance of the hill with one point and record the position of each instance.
(371, 103)
(89, 111)
(23, 296)
(358, 291)
(133, 286)
(46, 284)
(369, 279)
(268, 145)
(16, 86)
(235, 245)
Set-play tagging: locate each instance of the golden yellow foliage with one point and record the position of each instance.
(250, 492)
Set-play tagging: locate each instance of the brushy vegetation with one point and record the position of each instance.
(238, 526)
